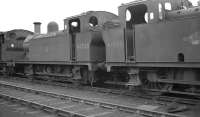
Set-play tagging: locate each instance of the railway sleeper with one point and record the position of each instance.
(104, 105)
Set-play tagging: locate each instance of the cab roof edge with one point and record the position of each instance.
(133, 2)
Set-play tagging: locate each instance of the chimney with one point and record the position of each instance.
(37, 27)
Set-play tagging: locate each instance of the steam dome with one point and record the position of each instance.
(52, 27)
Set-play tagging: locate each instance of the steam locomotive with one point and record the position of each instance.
(153, 44)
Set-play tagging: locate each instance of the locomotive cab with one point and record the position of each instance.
(85, 32)
(74, 28)
(136, 14)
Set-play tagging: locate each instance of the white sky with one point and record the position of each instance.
(20, 14)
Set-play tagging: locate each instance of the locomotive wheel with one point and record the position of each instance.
(28, 70)
(67, 72)
(150, 81)
(156, 85)
(49, 69)
(40, 69)
(57, 69)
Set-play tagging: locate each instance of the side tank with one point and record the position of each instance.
(173, 39)
(53, 46)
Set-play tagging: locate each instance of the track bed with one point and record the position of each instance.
(74, 101)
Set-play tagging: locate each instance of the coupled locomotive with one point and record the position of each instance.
(11, 44)
(151, 43)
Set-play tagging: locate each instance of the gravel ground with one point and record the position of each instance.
(105, 97)
(12, 110)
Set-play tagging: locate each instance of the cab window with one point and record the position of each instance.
(74, 25)
(136, 15)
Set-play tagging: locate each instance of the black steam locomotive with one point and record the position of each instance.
(153, 44)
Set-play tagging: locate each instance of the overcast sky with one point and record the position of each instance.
(20, 14)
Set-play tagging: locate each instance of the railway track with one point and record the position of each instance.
(11, 109)
(159, 98)
(67, 105)
(166, 101)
